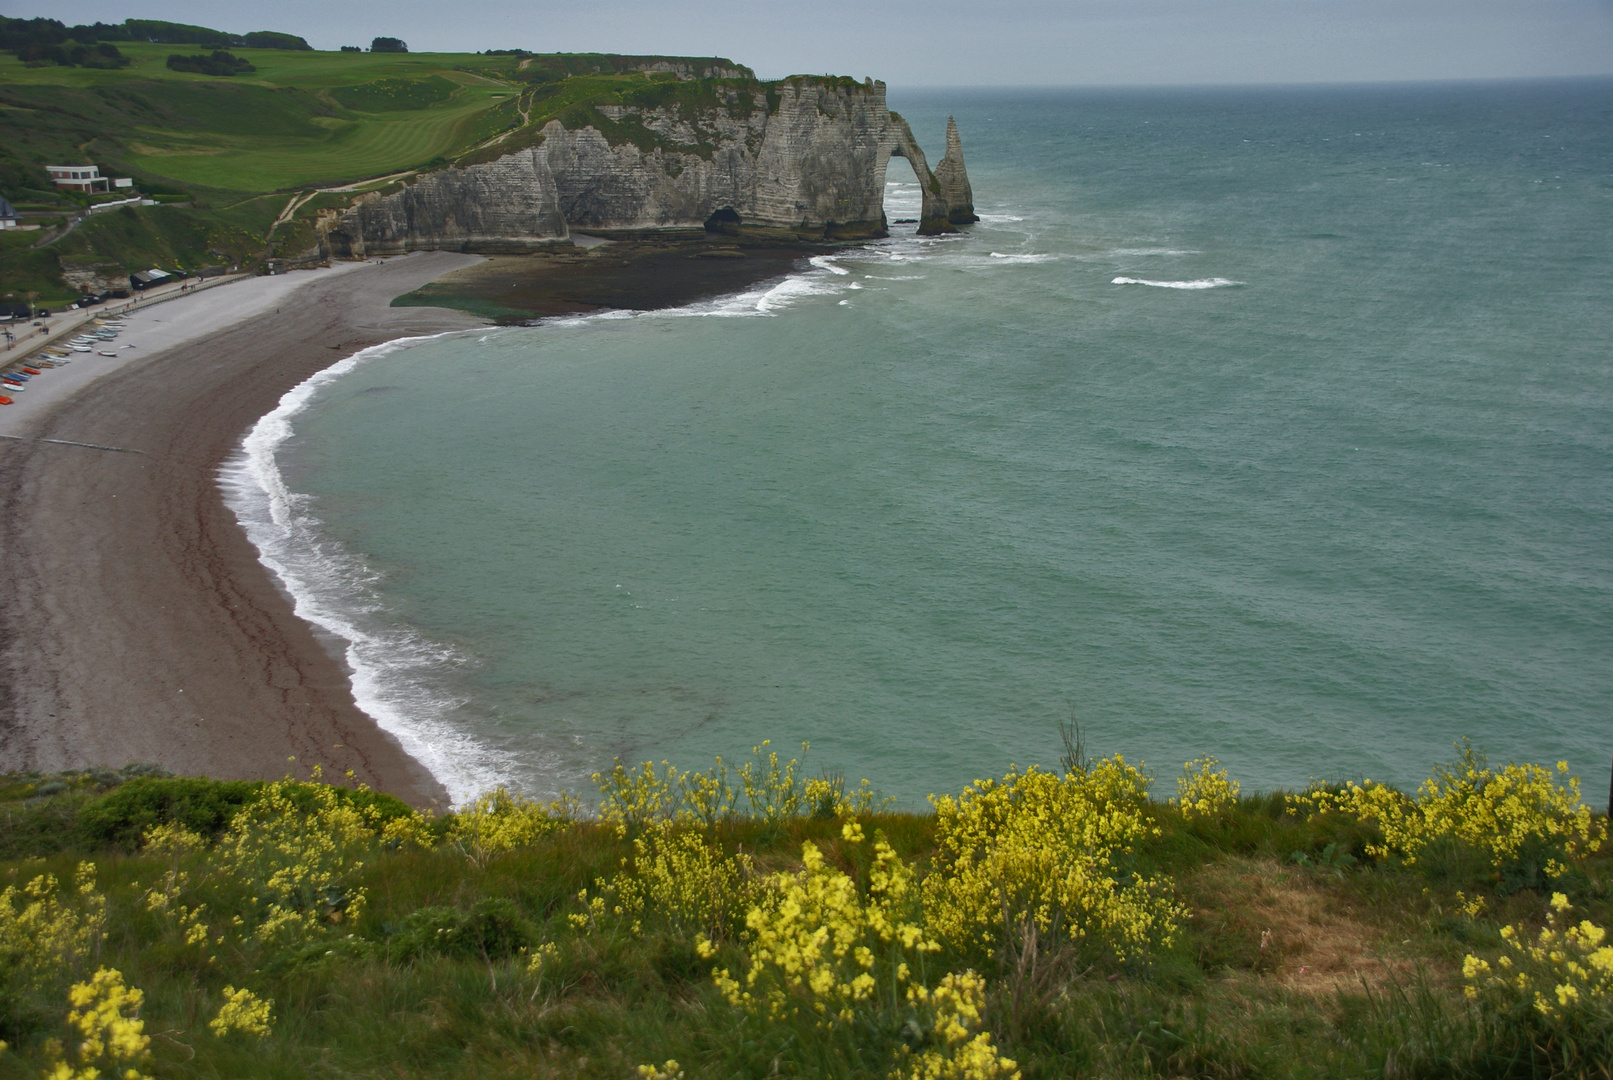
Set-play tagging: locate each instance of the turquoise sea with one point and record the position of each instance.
(1270, 424)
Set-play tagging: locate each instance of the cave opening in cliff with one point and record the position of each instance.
(725, 220)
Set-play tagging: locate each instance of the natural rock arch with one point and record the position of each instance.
(948, 200)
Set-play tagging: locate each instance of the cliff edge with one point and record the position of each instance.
(803, 158)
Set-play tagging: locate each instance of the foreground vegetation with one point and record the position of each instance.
(750, 921)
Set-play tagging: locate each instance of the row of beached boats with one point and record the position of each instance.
(15, 379)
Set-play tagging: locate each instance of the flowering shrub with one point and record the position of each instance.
(773, 790)
(542, 959)
(676, 877)
(1552, 994)
(847, 958)
(1567, 969)
(114, 1040)
(499, 821)
(302, 863)
(244, 1013)
(774, 793)
(1515, 813)
(1037, 849)
(709, 797)
(41, 936)
(1203, 790)
(819, 943)
(956, 1050)
(636, 800)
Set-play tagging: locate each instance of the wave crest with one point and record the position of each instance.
(1201, 283)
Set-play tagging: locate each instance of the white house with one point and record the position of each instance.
(85, 178)
(8, 214)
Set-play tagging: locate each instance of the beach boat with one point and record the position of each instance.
(81, 348)
(103, 352)
(26, 370)
(14, 388)
(4, 400)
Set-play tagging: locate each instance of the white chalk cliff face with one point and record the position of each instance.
(805, 155)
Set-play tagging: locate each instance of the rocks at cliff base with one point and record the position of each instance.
(804, 158)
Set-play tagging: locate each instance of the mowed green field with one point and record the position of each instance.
(282, 126)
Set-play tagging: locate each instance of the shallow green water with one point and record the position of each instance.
(1347, 498)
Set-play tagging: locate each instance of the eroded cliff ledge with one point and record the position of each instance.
(804, 157)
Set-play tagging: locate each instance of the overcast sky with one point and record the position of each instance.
(982, 42)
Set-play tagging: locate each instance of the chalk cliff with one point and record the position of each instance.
(804, 155)
(953, 179)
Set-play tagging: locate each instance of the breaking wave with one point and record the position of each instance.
(1201, 283)
(391, 665)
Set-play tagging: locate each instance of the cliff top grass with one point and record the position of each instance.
(298, 120)
(753, 920)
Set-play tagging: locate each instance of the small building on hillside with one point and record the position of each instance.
(144, 279)
(8, 214)
(85, 178)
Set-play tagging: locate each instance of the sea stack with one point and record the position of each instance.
(953, 178)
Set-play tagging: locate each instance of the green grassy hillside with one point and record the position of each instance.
(219, 147)
(300, 119)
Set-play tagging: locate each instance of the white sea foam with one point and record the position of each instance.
(396, 671)
(1131, 252)
(391, 665)
(1201, 283)
(1025, 258)
(763, 300)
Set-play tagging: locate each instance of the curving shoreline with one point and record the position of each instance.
(136, 622)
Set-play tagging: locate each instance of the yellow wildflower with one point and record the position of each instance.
(243, 1012)
(1566, 966)
(43, 934)
(113, 1038)
(1203, 790)
(1044, 850)
(678, 879)
(1504, 813)
(500, 821)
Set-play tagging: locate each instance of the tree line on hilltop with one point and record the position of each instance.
(51, 41)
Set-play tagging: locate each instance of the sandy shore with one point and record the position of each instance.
(136, 623)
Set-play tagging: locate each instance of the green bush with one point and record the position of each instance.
(119, 818)
(492, 929)
(203, 806)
